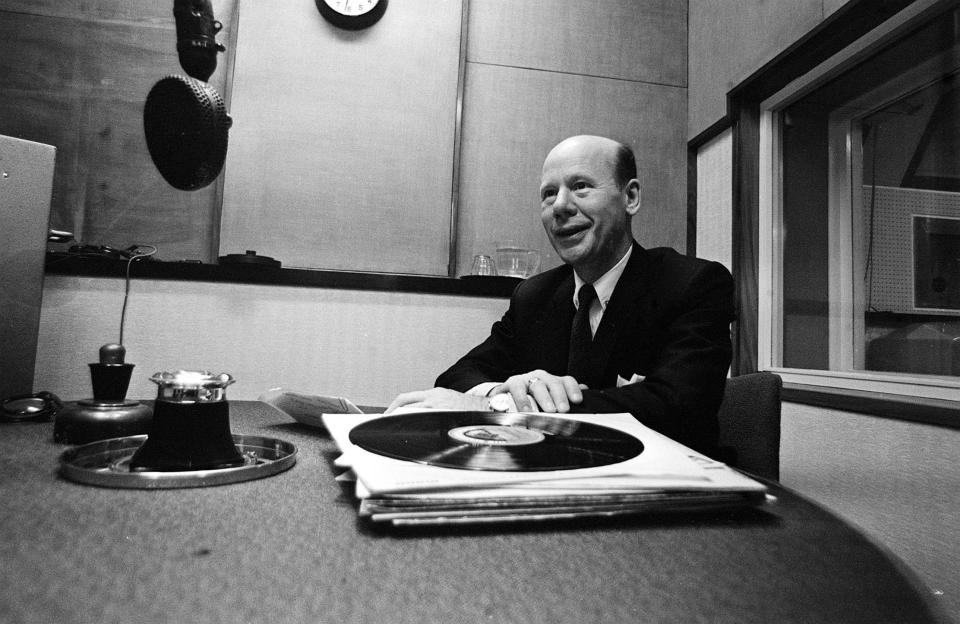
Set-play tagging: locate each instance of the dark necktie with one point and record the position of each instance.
(580, 335)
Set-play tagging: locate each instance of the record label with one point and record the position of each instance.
(496, 435)
(495, 441)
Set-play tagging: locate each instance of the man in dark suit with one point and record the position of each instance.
(617, 328)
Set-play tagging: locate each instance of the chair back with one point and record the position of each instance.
(749, 419)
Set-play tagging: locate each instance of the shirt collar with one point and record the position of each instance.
(605, 283)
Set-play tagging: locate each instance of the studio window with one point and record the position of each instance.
(860, 214)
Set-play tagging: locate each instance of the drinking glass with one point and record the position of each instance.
(483, 265)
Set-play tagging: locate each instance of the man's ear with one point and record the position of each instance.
(632, 193)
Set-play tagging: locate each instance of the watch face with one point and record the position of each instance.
(500, 403)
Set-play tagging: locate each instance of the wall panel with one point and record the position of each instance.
(513, 116)
(142, 11)
(341, 152)
(626, 39)
(368, 346)
(727, 45)
(829, 6)
(715, 200)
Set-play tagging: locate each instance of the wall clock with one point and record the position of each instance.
(352, 14)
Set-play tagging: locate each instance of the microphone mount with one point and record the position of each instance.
(197, 44)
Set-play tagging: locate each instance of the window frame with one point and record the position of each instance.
(845, 295)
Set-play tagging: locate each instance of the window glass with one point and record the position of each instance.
(869, 192)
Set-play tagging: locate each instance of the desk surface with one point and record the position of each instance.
(289, 548)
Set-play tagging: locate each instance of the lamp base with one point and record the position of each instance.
(90, 420)
(188, 436)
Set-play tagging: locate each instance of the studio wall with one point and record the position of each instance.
(355, 168)
(343, 142)
(728, 44)
(344, 147)
(365, 345)
(538, 72)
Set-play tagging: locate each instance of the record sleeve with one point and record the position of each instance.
(663, 464)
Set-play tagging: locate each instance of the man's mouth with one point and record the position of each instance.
(570, 230)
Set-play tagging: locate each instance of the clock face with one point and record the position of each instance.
(352, 14)
(352, 7)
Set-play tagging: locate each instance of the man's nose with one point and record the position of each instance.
(562, 205)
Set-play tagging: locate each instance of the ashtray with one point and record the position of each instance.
(107, 463)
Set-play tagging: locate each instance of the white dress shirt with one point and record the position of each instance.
(604, 286)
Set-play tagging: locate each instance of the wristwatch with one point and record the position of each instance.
(501, 403)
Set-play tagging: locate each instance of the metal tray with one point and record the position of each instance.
(107, 463)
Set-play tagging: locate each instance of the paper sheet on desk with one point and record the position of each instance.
(307, 409)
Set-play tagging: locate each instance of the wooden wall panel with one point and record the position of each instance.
(728, 42)
(157, 12)
(341, 152)
(513, 117)
(75, 75)
(643, 41)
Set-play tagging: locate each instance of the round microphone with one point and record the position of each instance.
(186, 123)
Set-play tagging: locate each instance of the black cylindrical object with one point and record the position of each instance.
(191, 425)
(110, 381)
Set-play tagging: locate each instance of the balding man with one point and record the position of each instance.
(616, 328)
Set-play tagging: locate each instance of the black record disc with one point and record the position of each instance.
(495, 441)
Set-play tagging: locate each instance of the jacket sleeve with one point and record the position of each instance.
(492, 360)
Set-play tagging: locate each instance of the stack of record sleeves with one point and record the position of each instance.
(438, 467)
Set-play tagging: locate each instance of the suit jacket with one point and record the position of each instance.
(667, 322)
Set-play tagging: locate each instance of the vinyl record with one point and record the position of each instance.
(495, 441)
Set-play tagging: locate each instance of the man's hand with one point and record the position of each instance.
(440, 398)
(548, 393)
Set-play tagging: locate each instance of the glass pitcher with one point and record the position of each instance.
(516, 261)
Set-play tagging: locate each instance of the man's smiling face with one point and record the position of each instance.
(585, 213)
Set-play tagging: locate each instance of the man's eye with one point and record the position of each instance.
(548, 195)
(579, 186)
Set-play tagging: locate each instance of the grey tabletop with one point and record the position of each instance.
(290, 548)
